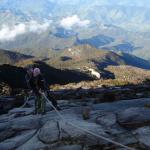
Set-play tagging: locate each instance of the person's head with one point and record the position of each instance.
(36, 72)
(29, 69)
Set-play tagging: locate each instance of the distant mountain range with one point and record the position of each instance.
(85, 55)
(37, 28)
(76, 57)
(73, 65)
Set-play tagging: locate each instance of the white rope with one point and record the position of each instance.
(94, 134)
(26, 101)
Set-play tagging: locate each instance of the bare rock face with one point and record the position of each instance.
(6, 133)
(61, 131)
(20, 130)
(21, 111)
(49, 133)
(134, 117)
(106, 119)
(15, 142)
(25, 123)
(33, 143)
(143, 136)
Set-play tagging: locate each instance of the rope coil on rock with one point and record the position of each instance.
(80, 128)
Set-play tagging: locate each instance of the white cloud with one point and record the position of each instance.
(8, 33)
(74, 20)
(36, 27)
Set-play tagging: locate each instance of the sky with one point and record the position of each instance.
(145, 3)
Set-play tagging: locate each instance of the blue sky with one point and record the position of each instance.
(145, 3)
(41, 3)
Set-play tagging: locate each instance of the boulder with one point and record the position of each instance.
(126, 138)
(143, 136)
(134, 117)
(54, 131)
(83, 136)
(49, 133)
(106, 119)
(26, 123)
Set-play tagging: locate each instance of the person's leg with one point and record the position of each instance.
(43, 103)
(36, 104)
(36, 95)
(54, 102)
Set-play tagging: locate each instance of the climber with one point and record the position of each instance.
(39, 87)
(42, 88)
(36, 83)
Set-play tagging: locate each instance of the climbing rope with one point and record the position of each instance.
(82, 129)
(26, 101)
(27, 98)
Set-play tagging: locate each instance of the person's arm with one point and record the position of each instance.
(42, 84)
(27, 78)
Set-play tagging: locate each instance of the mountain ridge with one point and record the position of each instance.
(99, 58)
(9, 57)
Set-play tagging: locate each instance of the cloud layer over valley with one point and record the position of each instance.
(11, 32)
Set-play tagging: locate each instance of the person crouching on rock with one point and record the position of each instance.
(42, 88)
(39, 88)
(36, 84)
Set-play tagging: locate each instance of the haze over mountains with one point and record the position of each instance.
(35, 28)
